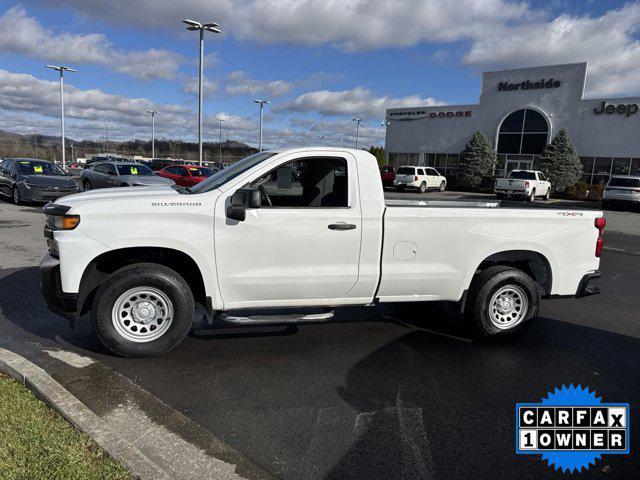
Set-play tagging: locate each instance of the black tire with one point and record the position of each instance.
(443, 186)
(484, 286)
(500, 196)
(400, 188)
(423, 187)
(86, 185)
(532, 197)
(547, 195)
(152, 275)
(16, 198)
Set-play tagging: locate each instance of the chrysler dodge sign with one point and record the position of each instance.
(415, 115)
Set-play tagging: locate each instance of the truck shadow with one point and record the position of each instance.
(438, 408)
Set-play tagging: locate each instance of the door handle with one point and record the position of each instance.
(341, 226)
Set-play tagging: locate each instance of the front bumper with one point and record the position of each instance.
(36, 194)
(585, 288)
(63, 304)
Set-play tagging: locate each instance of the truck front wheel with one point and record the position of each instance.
(502, 303)
(142, 310)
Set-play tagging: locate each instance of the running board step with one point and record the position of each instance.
(276, 319)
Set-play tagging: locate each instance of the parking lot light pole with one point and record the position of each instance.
(341, 135)
(261, 102)
(358, 120)
(201, 27)
(220, 140)
(62, 69)
(321, 137)
(153, 132)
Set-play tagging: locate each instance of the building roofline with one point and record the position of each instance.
(536, 66)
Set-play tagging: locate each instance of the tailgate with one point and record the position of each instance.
(510, 184)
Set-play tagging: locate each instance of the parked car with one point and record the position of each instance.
(120, 174)
(387, 175)
(33, 180)
(421, 178)
(527, 184)
(160, 163)
(186, 175)
(622, 190)
(254, 237)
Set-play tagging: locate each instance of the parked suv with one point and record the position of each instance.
(622, 190)
(421, 178)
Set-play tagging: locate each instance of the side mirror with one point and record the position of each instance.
(242, 199)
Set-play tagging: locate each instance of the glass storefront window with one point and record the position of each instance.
(509, 143)
(453, 160)
(602, 166)
(600, 179)
(533, 142)
(523, 132)
(621, 166)
(587, 165)
(431, 160)
(441, 160)
(586, 178)
(635, 166)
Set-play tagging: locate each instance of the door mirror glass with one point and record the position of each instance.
(247, 198)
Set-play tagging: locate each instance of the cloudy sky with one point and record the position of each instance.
(319, 62)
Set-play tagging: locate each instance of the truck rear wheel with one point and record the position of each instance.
(502, 303)
(532, 197)
(142, 310)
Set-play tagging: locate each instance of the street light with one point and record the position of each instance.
(220, 141)
(61, 69)
(153, 132)
(321, 137)
(341, 135)
(261, 102)
(358, 120)
(201, 27)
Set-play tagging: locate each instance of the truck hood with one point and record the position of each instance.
(118, 194)
(146, 180)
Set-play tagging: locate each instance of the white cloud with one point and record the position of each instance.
(190, 86)
(239, 83)
(24, 35)
(357, 101)
(609, 43)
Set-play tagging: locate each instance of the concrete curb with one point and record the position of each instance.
(58, 398)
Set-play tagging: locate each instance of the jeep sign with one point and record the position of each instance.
(627, 109)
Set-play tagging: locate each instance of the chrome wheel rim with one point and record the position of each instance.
(423, 187)
(442, 187)
(142, 314)
(508, 307)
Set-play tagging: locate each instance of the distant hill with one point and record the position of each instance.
(48, 147)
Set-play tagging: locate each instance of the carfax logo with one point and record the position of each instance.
(572, 428)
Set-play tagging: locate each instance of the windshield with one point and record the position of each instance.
(200, 171)
(223, 176)
(134, 170)
(28, 167)
(406, 171)
(624, 182)
(522, 175)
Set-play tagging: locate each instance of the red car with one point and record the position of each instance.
(387, 175)
(186, 175)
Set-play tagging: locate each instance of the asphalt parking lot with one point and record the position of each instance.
(394, 393)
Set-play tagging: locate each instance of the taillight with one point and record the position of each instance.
(416, 178)
(600, 223)
(526, 184)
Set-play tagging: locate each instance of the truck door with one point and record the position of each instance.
(302, 244)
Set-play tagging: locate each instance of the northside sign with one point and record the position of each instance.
(529, 85)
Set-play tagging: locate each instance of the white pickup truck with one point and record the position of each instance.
(527, 184)
(301, 228)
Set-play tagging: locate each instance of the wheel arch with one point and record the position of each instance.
(104, 265)
(535, 264)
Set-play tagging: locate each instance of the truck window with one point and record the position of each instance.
(306, 183)
(522, 175)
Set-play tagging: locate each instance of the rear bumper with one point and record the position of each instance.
(586, 287)
(60, 303)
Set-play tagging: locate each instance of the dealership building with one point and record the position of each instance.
(520, 111)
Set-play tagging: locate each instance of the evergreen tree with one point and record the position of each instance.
(477, 161)
(378, 152)
(560, 162)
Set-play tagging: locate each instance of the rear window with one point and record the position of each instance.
(522, 175)
(406, 171)
(624, 182)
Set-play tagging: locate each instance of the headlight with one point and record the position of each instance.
(65, 222)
